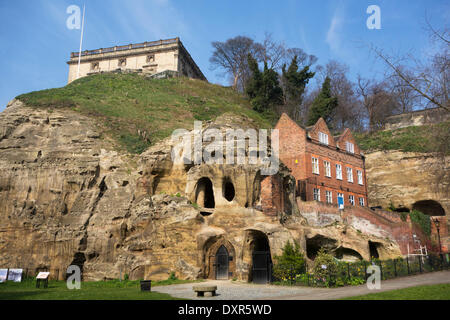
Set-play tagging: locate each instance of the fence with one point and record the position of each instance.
(355, 273)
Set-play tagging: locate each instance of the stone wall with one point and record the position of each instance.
(417, 118)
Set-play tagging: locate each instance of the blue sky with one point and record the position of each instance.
(35, 42)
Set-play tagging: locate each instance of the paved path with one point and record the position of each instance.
(232, 290)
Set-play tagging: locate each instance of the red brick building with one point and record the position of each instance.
(326, 168)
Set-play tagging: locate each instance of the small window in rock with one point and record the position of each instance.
(122, 62)
(228, 190)
(150, 58)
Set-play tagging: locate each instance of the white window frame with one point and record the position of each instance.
(339, 172)
(350, 147)
(349, 174)
(315, 165)
(360, 177)
(361, 201)
(327, 166)
(323, 138)
(318, 194)
(351, 200)
(329, 196)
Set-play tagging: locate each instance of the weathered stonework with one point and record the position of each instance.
(67, 198)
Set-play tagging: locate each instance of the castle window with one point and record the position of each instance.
(339, 172)
(122, 62)
(361, 202)
(315, 165)
(329, 196)
(327, 166)
(228, 189)
(360, 177)
(95, 66)
(349, 174)
(350, 147)
(323, 138)
(150, 58)
(316, 194)
(351, 199)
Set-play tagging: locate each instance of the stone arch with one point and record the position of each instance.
(347, 254)
(257, 255)
(210, 249)
(315, 243)
(429, 207)
(204, 193)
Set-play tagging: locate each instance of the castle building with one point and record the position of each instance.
(327, 168)
(153, 58)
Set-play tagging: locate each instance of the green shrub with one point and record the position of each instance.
(324, 265)
(172, 276)
(290, 263)
(421, 220)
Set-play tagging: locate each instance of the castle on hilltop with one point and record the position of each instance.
(156, 58)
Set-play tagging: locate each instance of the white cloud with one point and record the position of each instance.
(334, 33)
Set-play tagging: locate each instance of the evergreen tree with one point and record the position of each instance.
(323, 105)
(263, 88)
(294, 83)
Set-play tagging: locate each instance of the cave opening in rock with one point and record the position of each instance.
(429, 207)
(228, 189)
(258, 248)
(204, 193)
(347, 254)
(314, 244)
(373, 249)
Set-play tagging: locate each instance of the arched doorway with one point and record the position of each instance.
(219, 259)
(222, 263)
(258, 247)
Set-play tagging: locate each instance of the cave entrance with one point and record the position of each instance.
(373, 249)
(314, 244)
(261, 261)
(429, 207)
(348, 255)
(204, 195)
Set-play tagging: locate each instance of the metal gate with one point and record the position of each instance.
(262, 267)
(222, 263)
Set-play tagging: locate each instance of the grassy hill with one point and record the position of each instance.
(137, 111)
(424, 139)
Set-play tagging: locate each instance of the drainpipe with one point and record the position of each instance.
(365, 178)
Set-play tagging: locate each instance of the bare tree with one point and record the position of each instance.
(429, 80)
(231, 56)
(378, 102)
(271, 52)
(405, 95)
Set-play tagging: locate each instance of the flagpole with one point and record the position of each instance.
(81, 44)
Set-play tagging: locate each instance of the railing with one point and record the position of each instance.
(125, 47)
(355, 273)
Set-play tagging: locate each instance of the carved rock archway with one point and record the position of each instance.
(210, 249)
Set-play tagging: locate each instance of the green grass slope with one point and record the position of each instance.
(137, 111)
(424, 139)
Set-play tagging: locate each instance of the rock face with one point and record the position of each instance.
(67, 197)
(410, 180)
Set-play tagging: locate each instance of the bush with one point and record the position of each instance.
(172, 276)
(290, 263)
(324, 265)
(422, 220)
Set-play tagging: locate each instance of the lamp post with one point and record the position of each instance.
(437, 225)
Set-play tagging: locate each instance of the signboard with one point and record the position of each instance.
(15, 275)
(341, 202)
(42, 275)
(3, 274)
